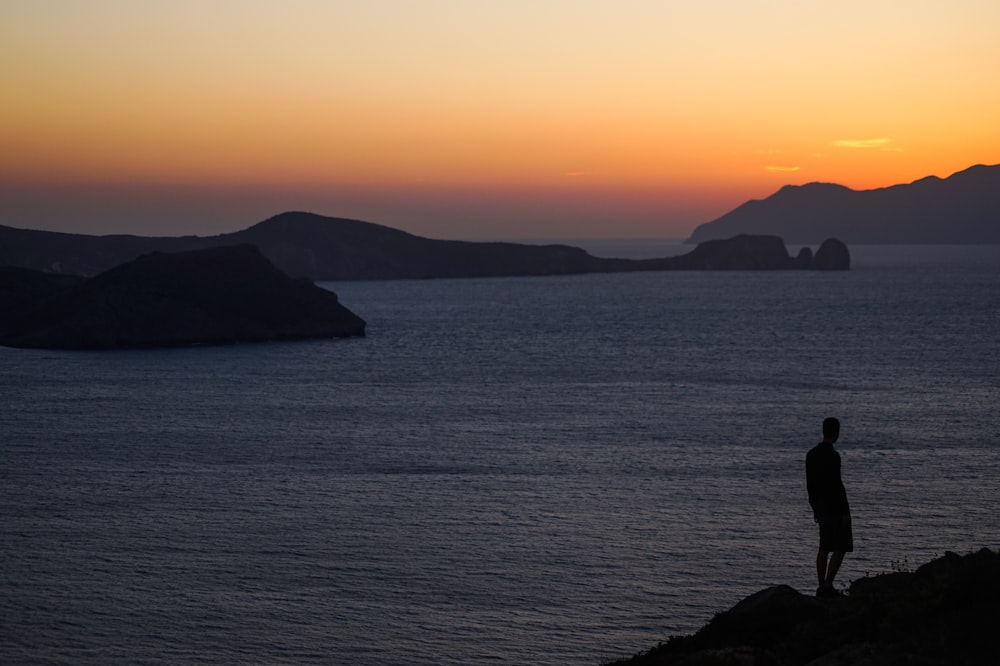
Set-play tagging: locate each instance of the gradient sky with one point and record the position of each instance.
(475, 118)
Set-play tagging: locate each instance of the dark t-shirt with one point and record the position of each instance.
(826, 489)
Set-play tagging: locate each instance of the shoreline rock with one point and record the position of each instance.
(945, 612)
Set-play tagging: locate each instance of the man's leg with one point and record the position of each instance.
(833, 567)
(821, 567)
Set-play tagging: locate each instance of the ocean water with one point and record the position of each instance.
(559, 470)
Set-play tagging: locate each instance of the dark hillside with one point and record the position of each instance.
(337, 249)
(80, 254)
(325, 248)
(213, 296)
(961, 209)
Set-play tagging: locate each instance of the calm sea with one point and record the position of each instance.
(560, 470)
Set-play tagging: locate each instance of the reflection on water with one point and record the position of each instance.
(519, 470)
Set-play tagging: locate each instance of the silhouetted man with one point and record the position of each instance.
(830, 508)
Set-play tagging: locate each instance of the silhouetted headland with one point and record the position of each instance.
(943, 613)
(212, 296)
(324, 248)
(961, 209)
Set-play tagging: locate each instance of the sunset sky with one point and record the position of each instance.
(478, 119)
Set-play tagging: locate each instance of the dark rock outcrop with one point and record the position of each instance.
(831, 255)
(744, 252)
(944, 613)
(963, 208)
(805, 258)
(753, 253)
(323, 248)
(214, 296)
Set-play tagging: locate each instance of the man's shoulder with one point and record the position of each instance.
(822, 454)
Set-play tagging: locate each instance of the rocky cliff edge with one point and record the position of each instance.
(945, 612)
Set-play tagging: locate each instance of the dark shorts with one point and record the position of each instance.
(835, 534)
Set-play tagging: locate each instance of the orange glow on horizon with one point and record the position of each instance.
(690, 108)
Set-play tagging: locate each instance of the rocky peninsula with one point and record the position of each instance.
(212, 296)
(241, 293)
(326, 249)
(945, 612)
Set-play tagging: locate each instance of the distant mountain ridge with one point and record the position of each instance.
(961, 209)
(324, 248)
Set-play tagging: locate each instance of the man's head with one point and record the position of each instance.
(831, 429)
